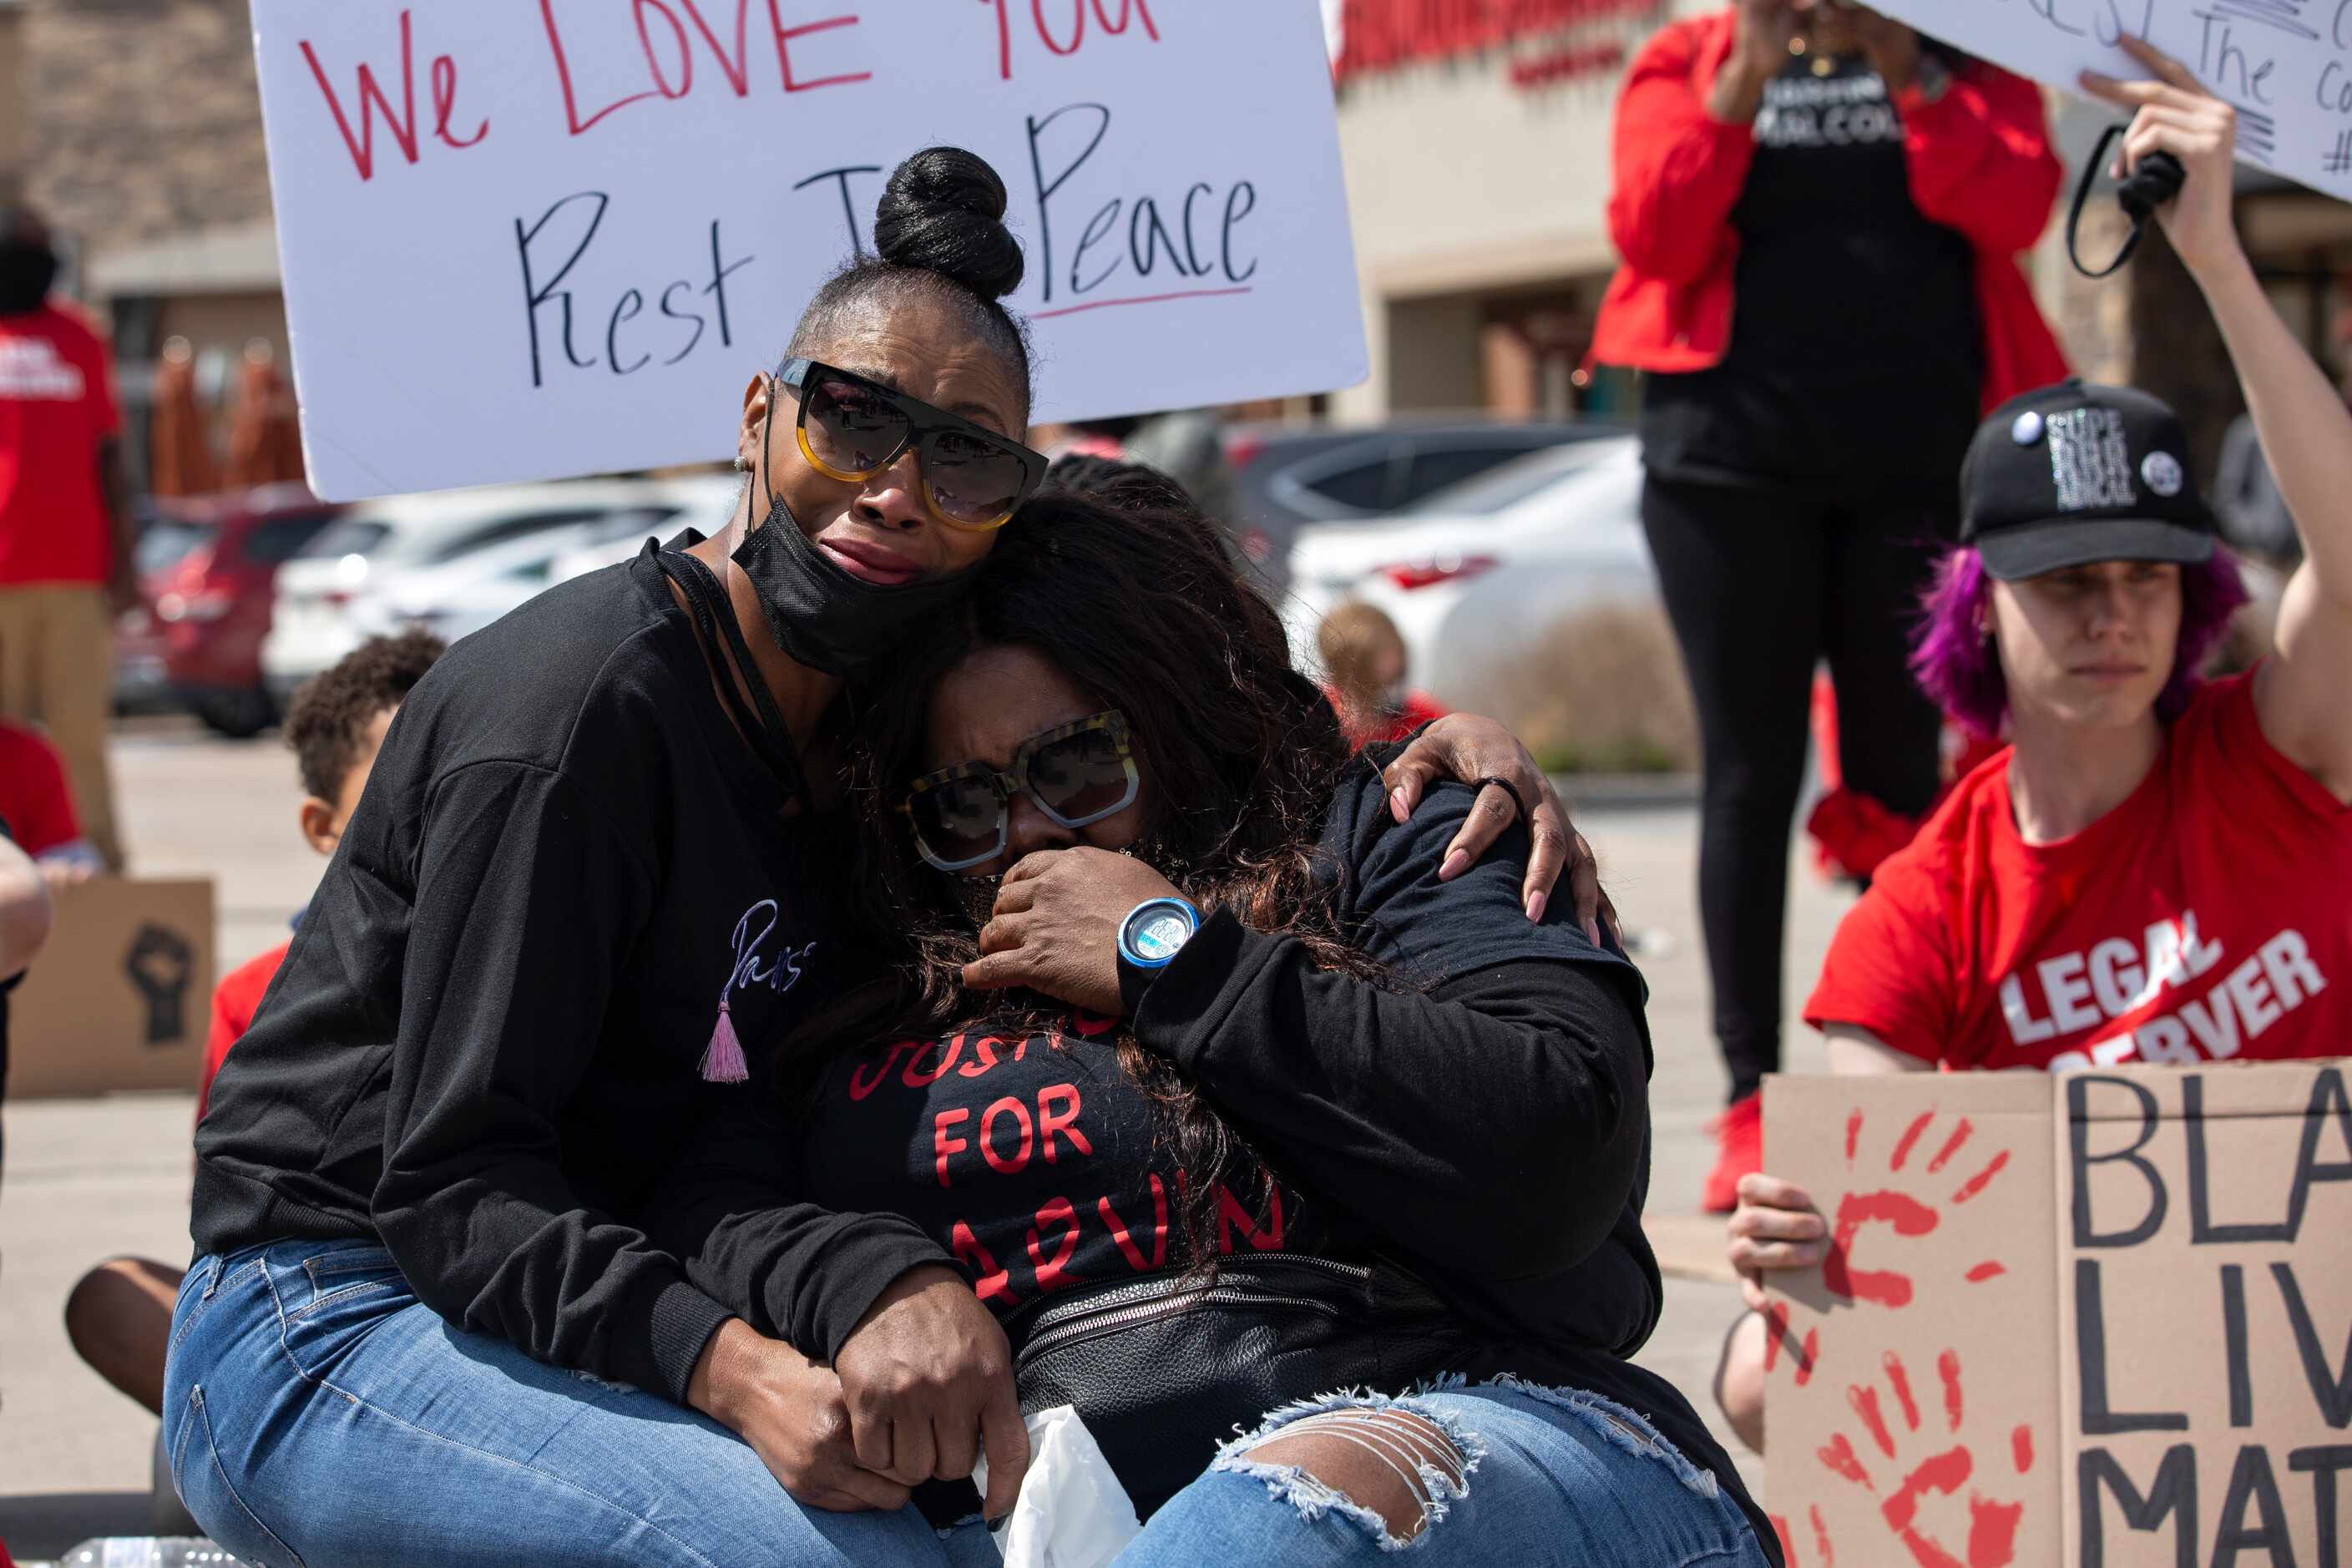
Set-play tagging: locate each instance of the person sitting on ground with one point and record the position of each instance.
(1365, 665)
(119, 1315)
(1403, 1131)
(37, 801)
(2154, 870)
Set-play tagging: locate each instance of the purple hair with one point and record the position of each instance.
(1959, 668)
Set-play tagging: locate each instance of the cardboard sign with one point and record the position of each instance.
(2093, 1319)
(523, 241)
(2286, 65)
(121, 996)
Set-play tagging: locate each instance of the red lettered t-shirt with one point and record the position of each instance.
(2203, 920)
(57, 404)
(34, 798)
(1033, 1159)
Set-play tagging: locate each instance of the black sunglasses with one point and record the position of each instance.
(851, 428)
(1077, 773)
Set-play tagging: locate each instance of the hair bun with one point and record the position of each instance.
(943, 211)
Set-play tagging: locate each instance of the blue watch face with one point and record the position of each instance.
(1155, 938)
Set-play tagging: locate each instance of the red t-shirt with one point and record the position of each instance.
(2203, 918)
(57, 404)
(234, 1002)
(34, 799)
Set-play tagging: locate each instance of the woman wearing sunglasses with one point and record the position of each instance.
(1192, 1065)
(597, 854)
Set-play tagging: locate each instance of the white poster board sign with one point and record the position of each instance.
(530, 238)
(2286, 65)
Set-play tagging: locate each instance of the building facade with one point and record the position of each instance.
(1476, 138)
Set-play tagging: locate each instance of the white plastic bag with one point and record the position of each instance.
(1071, 1511)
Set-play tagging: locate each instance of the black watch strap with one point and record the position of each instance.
(1134, 983)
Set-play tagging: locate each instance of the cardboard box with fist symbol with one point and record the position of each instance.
(121, 996)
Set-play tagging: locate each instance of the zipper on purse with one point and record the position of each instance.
(1213, 1295)
(1049, 1314)
(1308, 1260)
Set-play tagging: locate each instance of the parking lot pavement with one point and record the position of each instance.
(93, 1178)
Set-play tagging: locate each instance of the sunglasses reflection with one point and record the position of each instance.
(1077, 775)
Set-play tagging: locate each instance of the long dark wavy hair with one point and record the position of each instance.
(1110, 573)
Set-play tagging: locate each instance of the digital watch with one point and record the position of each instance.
(1153, 932)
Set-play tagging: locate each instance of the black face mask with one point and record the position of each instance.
(26, 271)
(822, 614)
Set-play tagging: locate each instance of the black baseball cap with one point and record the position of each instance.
(2076, 473)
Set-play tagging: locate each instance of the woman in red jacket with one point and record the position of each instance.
(1820, 213)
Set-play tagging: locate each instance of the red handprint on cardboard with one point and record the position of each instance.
(1916, 1211)
(1916, 1477)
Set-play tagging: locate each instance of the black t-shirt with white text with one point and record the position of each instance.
(1856, 353)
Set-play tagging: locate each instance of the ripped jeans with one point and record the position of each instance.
(317, 1415)
(1501, 1472)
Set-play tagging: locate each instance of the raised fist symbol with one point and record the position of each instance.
(160, 963)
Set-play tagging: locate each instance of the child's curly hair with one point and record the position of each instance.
(332, 711)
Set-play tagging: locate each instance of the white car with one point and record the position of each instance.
(1480, 571)
(454, 561)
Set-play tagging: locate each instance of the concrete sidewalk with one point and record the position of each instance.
(92, 1179)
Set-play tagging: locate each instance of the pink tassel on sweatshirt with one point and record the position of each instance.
(723, 1061)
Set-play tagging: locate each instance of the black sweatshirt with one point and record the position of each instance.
(484, 1044)
(1491, 1127)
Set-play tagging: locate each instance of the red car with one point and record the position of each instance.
(208, 566)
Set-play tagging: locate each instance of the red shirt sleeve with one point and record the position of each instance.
(1678, 171)
(35, 800)
(1980, 158)
(2232, 742)
(1888, 969)
(234, 1002)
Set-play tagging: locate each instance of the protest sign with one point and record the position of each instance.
(121, 995)
(2093, 1319)
(523, 241)
(2286, 65)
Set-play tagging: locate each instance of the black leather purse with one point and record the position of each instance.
(1165, 1366)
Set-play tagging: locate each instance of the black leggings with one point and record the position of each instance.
(1761, 585)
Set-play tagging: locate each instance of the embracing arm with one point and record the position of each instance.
(794, 1271)
(2302, 421)
(860, 1363)
(1493, 1122)
(1492, 1126)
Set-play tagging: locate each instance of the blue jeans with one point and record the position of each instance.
(317, 1414)
(1536, 1477)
